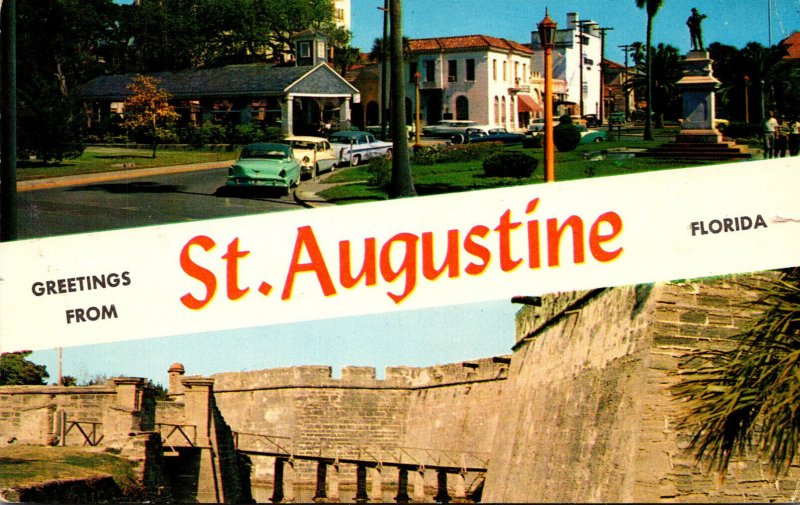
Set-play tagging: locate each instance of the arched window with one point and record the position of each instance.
(503, 111)
(496, 109)
(513, 112)
(462, 107)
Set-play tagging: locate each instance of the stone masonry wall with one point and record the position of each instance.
(436, 407)
(587, 411)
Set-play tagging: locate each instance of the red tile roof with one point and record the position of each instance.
(793, 45)
(466, 42)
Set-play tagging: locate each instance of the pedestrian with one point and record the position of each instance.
(794, 137)
(781, 138)
(768, 129)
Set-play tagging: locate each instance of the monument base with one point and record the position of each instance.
(698, 136)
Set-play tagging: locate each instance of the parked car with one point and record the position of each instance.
(448, 127)
(265, 165)
(376, 130)
(588, 136)
(313, 152)
(475, 135)
(536, 127)
(616, 118)
(591, 120)
(353, 147)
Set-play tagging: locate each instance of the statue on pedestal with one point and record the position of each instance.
(695, 31)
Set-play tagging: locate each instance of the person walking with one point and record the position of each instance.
(794, 137)
(781, 137)
(769, 128)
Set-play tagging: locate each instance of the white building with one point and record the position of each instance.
(477, 77)
(341, 13)
(582, 85)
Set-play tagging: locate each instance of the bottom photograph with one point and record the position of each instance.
(683, 391)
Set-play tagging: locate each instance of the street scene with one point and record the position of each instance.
(131, 113)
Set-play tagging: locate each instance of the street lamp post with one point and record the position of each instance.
(746, 99)
(417, 142)
(547, 37)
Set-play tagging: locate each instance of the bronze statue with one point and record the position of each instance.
(695, 31)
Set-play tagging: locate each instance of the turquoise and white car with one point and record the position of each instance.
(265, 165)
(354, 147)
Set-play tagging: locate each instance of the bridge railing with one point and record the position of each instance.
(177, 435)
(88, 429)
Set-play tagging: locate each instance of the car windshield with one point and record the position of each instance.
(302, 144)
(263, 154)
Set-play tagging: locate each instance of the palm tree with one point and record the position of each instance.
(666, 71)
(652, 7)
(748, 398)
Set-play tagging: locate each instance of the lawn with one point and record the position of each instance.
(106, 159)
(23, 466)
(465, 176)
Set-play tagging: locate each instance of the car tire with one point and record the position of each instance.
(598, 140)
(457, 139)
(388, 154)
(355, 160)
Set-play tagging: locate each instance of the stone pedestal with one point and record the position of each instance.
(697, 87)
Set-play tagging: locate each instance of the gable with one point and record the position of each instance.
(322, 80)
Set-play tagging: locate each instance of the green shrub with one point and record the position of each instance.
(166, 135)
(509, 164)
(207, 133)
(380, 172)
(532, 142)
(450, 153)
(742, 130)
(566, 137)
(565, 119)
(272, 133)
(247, 134)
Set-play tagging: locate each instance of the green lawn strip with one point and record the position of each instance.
(109, 159)
(465, 176)
(23, 466)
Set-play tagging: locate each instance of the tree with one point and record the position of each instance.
(747, 398)
(666, 71)
(148, 106)
(16, 370)
(652, 7)
(402, 185)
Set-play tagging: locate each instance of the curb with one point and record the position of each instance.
(77, 180)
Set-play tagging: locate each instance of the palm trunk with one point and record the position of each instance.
(648, 121)
(402, 185)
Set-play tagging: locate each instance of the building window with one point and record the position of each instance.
(505, 71)
(452, 70)
(462, 107)
(430, 70)
(320, 49)
(412, 69)
(339, 16)
(304, 49)
(524, 72)
(470, 69)
(494, 69)
(496, 110)
(503, 111)
(513, 112)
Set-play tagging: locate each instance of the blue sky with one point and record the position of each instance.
(733, 22)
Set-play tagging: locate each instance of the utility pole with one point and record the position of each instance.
(384, 63)
(602, 72)
(8, 145)
(402, 184)
(626, 48)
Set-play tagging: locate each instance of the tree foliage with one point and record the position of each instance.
(652, 7)
(148, 106)
(16, 370)
(749, 398)
(665, 73)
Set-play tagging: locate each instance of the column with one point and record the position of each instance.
(333, 482)
(344, 114)
(287, 115)
(460, 486)
(289, 479)
(376, 483)
(419, 484)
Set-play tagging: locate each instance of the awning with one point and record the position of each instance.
(526, 104)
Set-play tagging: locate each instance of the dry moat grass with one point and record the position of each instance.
(23, 466)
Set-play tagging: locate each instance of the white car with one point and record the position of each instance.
(536, 127)
(313, 152)
(355, 147)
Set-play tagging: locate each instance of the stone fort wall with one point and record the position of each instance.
(447, 407)
(587, 410)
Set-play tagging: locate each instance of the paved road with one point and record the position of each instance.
(155, 199)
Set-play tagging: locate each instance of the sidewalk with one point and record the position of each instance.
(307, 191)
